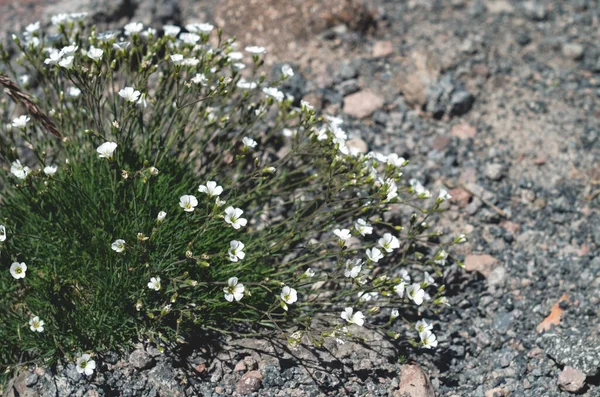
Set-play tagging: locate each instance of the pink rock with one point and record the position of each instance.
(362, 104)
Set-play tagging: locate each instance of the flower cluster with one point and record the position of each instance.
(188, 192)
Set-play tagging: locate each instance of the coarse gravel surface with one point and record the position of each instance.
(497, 101)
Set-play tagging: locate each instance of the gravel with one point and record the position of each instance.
(521, 79)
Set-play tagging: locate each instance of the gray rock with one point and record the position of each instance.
(494, 171)
(573, 51)
(31, 380)
(448, 97)
(460, 103)
(72, 373)
(347, 71)
(534, 10)
(575, 350)
(348, 87)
(140, 359)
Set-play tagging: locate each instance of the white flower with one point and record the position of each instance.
(274, 93)
(73, 92)
(121, 45)
(188, 203)
(353, 268)
(309, 273)
(399, 288)
(232, 216)
(374, 254)
(342, 234)
(404, 275)
(21, 122)
(36, 325)
(154, 283)
(415, 293)
(130, 94)
(189, 38)
(68, 51)
(17, 270)
(395, 160)
(177, 59)
(444, 195)
(419, 189)
(85, 364)
(288, 296)
(305, 105)
(235, 56)
(32, 28)
(53, 57)
(211, 188)
(394, 314)
(199, 78)
(389, 242)
(106, 150)
(95, 54)
(440, 258)
(50, 170)
(118, 245)
(2, 233)
(427, 280)
(236, 250)
(19, 170)
(367, 296)
(161, 216)
(246, 85)
(143, 103)
(171, 30)
(66, 62)
(199, 27)
(249, 142)
(287, 71)
(392, 190)
(255, 50)
(219, 202)
(233, 290)
(149, 32)
(460, 239)
(133, 27)
(353, 318)
(422, 326)
(363, 227)
(428, 339)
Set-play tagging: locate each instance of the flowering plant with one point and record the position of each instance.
(180, 191)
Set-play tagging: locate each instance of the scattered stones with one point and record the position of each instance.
(494, 171)
(497, 392)
(382, 48)
(414, 382)
(460, 196)
(250, 382)
(140, 359)
(419, 74)
(362, 104)
(571, 379)
(463, 131)
(358, 144)
(447, 97)
(483, 264)
(573, 51)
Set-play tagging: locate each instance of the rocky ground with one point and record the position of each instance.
(495, 100)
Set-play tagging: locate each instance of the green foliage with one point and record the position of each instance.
(185, 127)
